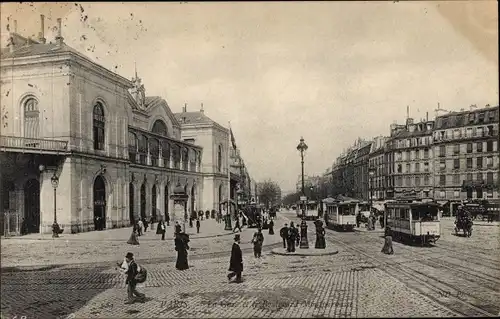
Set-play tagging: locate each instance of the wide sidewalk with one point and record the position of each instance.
(111, 245)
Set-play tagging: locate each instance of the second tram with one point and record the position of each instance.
(413, 221)
(340, 214)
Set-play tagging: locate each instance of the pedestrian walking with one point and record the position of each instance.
(358, 220)
(133, 237)
(132, 271)
(387, 249)
(198, 224)
(237, 225)
(284, 234)
(146, 224)
(178, 228)
(297, 235)
(381, 220)
(257, 241)
(236, 261)
(191, 222)
(151, 222)
(369, 225)
(140, 225)
(271, 227)
(161, 229)
(167, 218)
(292, 237)
(181, 246)
(207, 214)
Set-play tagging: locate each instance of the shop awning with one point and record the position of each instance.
(442, 202)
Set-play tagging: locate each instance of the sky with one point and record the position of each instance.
(328, 71)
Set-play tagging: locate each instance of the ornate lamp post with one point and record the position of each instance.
(302, 147)
(227, 218)
(55, 226)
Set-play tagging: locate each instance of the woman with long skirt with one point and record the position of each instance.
(181, 246)
(133, 237)
(271, 227)
(387, 249)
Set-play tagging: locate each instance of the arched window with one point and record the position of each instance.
(98, 126)
(219, 159)
(165, 153)
(132, 147)
(31, 119)
(176, 152)
(185, 158)
(143, 149)
(160, 128)
(154, 150)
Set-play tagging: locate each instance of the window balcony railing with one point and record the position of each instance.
(24, 143)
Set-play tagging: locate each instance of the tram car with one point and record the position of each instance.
(309, 212)
(413, 221)
(340, 213)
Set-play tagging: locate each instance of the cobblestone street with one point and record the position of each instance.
(357, 282)
(111, 245)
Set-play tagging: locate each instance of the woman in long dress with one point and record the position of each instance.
(369, 224)
(271, 227)
(133, 237)
(181, 246)
(257, 241)
(387, 249)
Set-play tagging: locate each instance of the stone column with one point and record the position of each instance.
(148, 157)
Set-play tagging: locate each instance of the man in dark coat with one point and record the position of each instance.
(198, 226)
(131, 283)
(292, 237)
(177, 228)
(284, 234)
(236, 262)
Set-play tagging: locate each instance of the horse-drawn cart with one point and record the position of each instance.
(463, 223)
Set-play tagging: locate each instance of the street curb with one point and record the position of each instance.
(279, 251)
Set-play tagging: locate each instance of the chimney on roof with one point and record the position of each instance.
(427, 116)
(59, 38)
(201, 110)
(184, 109)
(41, 35)
(15, 26)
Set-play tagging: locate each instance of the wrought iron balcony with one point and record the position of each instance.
(32, 145)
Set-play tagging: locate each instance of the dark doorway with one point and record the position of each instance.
(99, 203)
(167, 217)
(193, 199)
(479, 193)
(153, 202)
(220, 196)
(469, 193)
(131, 203)
(32, 206)
(143, 201)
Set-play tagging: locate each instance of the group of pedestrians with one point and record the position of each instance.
(290, 236)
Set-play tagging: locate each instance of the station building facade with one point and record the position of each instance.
(86, 146)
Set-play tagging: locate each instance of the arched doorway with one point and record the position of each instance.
(153, 202)
(193, 199)
(131, 203)
(143, 201)
(165, 209)
(99, 203)
(32, 206)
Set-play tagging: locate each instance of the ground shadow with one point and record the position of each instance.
(52, 293)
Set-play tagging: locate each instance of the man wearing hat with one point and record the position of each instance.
(236, 262)
(132, 271)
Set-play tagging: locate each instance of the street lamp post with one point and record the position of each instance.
(302, 147)
(55, 226)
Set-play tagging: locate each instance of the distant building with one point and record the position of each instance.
(377, 164)
(410, 147)
(466, 156)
